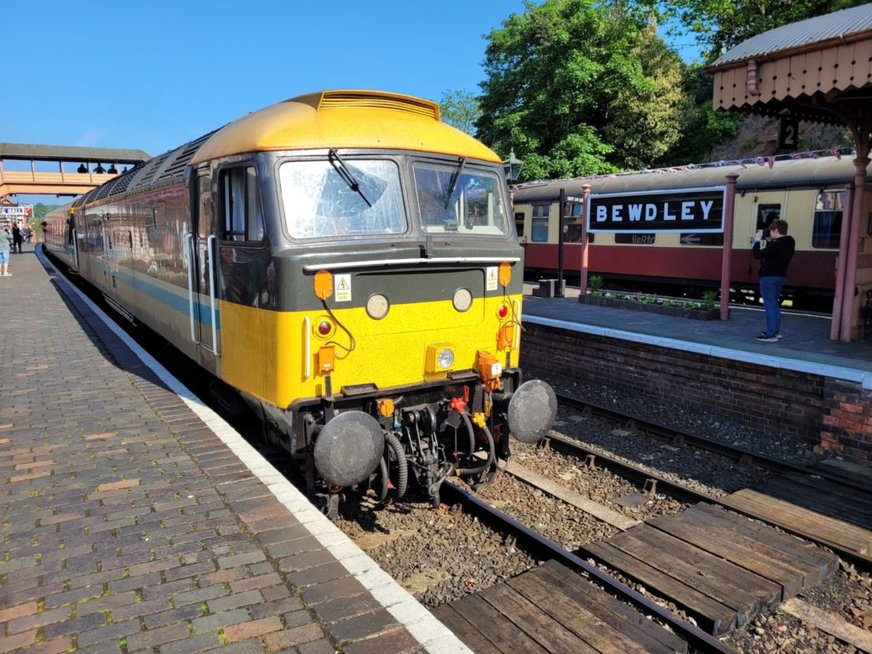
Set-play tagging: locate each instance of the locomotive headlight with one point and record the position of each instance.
(462, 299)
(377, 306)
(445, 359)
(440, 358)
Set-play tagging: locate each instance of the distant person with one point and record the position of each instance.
(774, 248)
(99, 169)
(82, 168)
(5, 245)
(112, 170)
(17, 238)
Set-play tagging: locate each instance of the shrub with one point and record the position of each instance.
(708, 299)
(595, 284)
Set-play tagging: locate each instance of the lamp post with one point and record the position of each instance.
(512, 167)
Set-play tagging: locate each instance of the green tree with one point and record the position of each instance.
(460, 109)
(40, 209)
(578, 86)
(718, 25)
(702, 127)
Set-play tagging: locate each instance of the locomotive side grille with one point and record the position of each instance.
(352, 100)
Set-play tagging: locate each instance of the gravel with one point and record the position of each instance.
(441, 555)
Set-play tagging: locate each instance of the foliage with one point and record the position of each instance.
(702, 127)
(460, 109)
(718, 25)
(40, 209)
(708, 299)
(579, 87)
(595, 284)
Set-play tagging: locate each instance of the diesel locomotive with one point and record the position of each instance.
(810, 193)
(345, 262)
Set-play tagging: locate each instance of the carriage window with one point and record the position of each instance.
(341, 197)
(519, 224)
(158, 216)
(572, 219)
(827, 225)
(456, 198)
(243, 218)
(766, 213)
(540, 223)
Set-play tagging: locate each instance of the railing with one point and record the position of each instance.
(28, 177)
(45, 182)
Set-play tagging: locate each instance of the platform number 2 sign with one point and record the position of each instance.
(788, 135)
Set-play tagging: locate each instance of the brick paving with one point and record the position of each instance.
(129, 525)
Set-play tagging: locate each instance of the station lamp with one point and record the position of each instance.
(512, 167)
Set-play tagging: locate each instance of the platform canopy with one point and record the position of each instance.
(817, 70)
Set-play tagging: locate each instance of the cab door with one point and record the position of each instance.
(201, 255)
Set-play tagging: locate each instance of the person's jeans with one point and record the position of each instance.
(770, 290)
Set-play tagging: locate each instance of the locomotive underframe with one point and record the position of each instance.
(435, 431)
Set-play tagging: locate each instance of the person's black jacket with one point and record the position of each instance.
(775, 257)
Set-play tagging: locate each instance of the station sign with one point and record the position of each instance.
(15, 212)
(699, 210)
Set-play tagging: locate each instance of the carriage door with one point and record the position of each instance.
(201, 253)
(73, 241)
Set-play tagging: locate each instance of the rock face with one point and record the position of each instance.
(758, 136)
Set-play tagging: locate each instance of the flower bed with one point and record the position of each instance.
(693, 309)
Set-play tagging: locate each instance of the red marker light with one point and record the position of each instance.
(503, 311)
(324, 328)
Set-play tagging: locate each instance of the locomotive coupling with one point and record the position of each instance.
(349, 448)
(531, 410)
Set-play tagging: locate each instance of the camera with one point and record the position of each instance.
(766, 233)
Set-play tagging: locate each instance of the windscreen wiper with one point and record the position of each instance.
(453, 181)
(346, 175)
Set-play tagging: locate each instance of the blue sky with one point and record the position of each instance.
(154, 74)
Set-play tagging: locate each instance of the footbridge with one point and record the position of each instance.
(60, 169)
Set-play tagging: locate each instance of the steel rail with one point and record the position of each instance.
(654, 482)
(740, 454)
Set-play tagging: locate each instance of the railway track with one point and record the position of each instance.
(824, 506)
(515, 617)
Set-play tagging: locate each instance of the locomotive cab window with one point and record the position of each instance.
(342, 196)
(455, 198)
(242, 215)
(827, 225)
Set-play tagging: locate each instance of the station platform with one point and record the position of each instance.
(805, 346)
(133, 519)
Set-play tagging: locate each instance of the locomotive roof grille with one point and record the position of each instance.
(175, 171)
(123, 182)
(148, 171)
(103, 191)
(363, 100)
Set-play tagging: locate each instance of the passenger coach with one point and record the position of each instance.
(809, 193)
